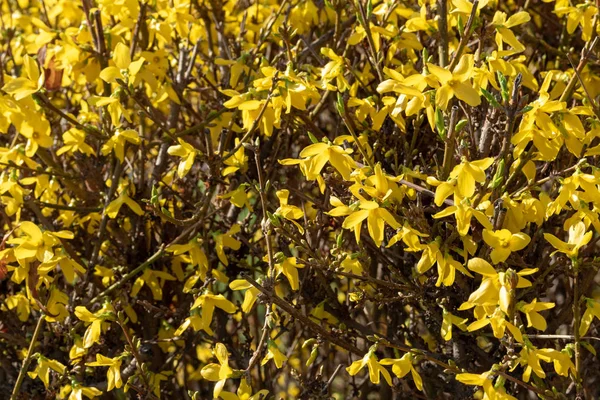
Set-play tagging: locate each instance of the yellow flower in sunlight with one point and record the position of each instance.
(455, 83)
(503, 242)
(486, 381)
(219, 372)
(449, 320)
(375, 215)
(96, 322)
(37, 244)
(467, 173)
(402, 366)
(532, 310)
(495, 286)
(207, 303)
(124, 68)
(289, 267)
(288, 211)
(503, 32)
(578, 237)
(463, 214)
(43, 368)
(188, 154)
(334, 69)
(249, 297)
(375, 368)
(274, 354)
(319, 154)
(25, 86)
(226, 240)
(592, 309)
(117, 142)
(244, 392)
(237, 162)
(113, 374)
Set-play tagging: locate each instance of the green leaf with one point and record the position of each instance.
(460, 125)
(490, 98)
(439, 123)
(526, 109)
(503, 86)
(340, 104)
(312, 138)
(589, 347)
(499, 177)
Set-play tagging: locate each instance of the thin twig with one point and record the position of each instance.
(27, 360)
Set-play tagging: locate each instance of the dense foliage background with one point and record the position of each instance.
(299, 199)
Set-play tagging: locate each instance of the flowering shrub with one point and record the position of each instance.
(299, 199)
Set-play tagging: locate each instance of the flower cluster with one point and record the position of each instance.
(295, 198)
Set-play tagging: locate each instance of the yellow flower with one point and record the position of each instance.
(57, 306)
(592, 309)
(151, 278)
(577, 239)
(239, 197)
(227, 240)
(21, 304)
(107, 274)
(37, 244)
(287, 211)
(446, 265)
(188, 154)
(115, 206)
(249, 297)
(448, 320)
(117, 142)
(334, 69)
(76, 391)
(319, 154)
(375, 215)
(197, 257)
(25, 86)
(375, 368)
(402, 366)
(96, 322)
(114, 370)
(74, 140)
(504, 242)
(274, 354)
(124, 69)
(455, 83)
(237, 162)
(503, 32)
(207, 303)
(531, 311)
(43, 368)
(486, 381)
(69, 267)
(244, 392)
(467, 173)
(289, 267)
(499, 324)
(463, 213)
(495, 286)
(218, 372)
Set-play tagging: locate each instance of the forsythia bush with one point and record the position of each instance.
(252, 199)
